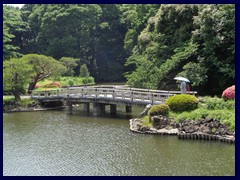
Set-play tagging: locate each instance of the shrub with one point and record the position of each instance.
(229, 93)
(70, 82)
(182, 102)
(161, 109)
(216, 103)
(37, 86)
(88, 80)
(52, 85)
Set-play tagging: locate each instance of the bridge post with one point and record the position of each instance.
(113, 108)
(102, 108)
(128, 108)
(70, 107)
(86, 107)
(96, 109)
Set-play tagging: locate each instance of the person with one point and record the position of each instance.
(188, 88)
(183, 87)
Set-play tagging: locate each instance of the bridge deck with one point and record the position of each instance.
(106, 94)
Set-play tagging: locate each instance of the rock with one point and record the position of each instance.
(145, 111)
(222, 131)
(144, 129)
(205, 129)
(216, 123)
(208, 120)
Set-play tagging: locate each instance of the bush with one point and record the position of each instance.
(88, 80)
(52, 85)
(161, 109)
(182, 102)
(70, 82)
(229, 93)
(216, 103)
(37, 86)
(224, 116)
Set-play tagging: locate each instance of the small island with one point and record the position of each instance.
(156, 120)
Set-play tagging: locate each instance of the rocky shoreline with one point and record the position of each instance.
(205, 129)
(30, 108)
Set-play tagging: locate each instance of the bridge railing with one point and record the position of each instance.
(111, 92)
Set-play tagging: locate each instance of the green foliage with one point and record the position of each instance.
(24, 102)
(8, 98)
(13, 30)
(215, 103)
(70, 82)
(88, 80)
(161, 109)
(154, 42)
(42, 67)
(84, 71)
(209, 107)
(52, 85)
(146, 122)
(15, 76)
(182, 102)
(70, 63)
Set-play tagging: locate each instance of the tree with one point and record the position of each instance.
(13, 27)
(15, 76)
(42, 67)
(215, 36)
(84, 71)
(70, 63)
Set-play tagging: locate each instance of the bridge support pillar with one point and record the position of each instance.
(98, 108)
(102, 108)
(70, 107)
(86, 107)
(128, 109)
(113, 109)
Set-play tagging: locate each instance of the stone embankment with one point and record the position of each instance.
(34, 106)
(205, 128)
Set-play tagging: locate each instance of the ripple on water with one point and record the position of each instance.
(54, 143)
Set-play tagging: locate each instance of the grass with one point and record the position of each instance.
(146, 122)
(8, 98)
(215, 108)
(23, 103)
(46, 89)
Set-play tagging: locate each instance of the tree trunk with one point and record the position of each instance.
(17, 96)
(31, 87)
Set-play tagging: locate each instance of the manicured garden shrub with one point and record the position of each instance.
(88, 80)
(52, 85)
(161, 109)
(70, 82)
(182, 102)
(229, 93)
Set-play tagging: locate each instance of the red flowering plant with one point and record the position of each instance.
(37, 86)
(229, 93)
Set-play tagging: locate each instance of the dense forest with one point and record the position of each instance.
(146, 45)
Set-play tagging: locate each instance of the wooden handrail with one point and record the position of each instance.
(110, 92)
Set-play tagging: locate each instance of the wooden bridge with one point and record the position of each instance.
(103, 95)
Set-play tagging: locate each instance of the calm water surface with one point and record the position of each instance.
(55, 143)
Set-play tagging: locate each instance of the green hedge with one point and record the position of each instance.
(161, 109)
(182, 102)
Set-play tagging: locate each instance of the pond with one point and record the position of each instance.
(56, 143)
